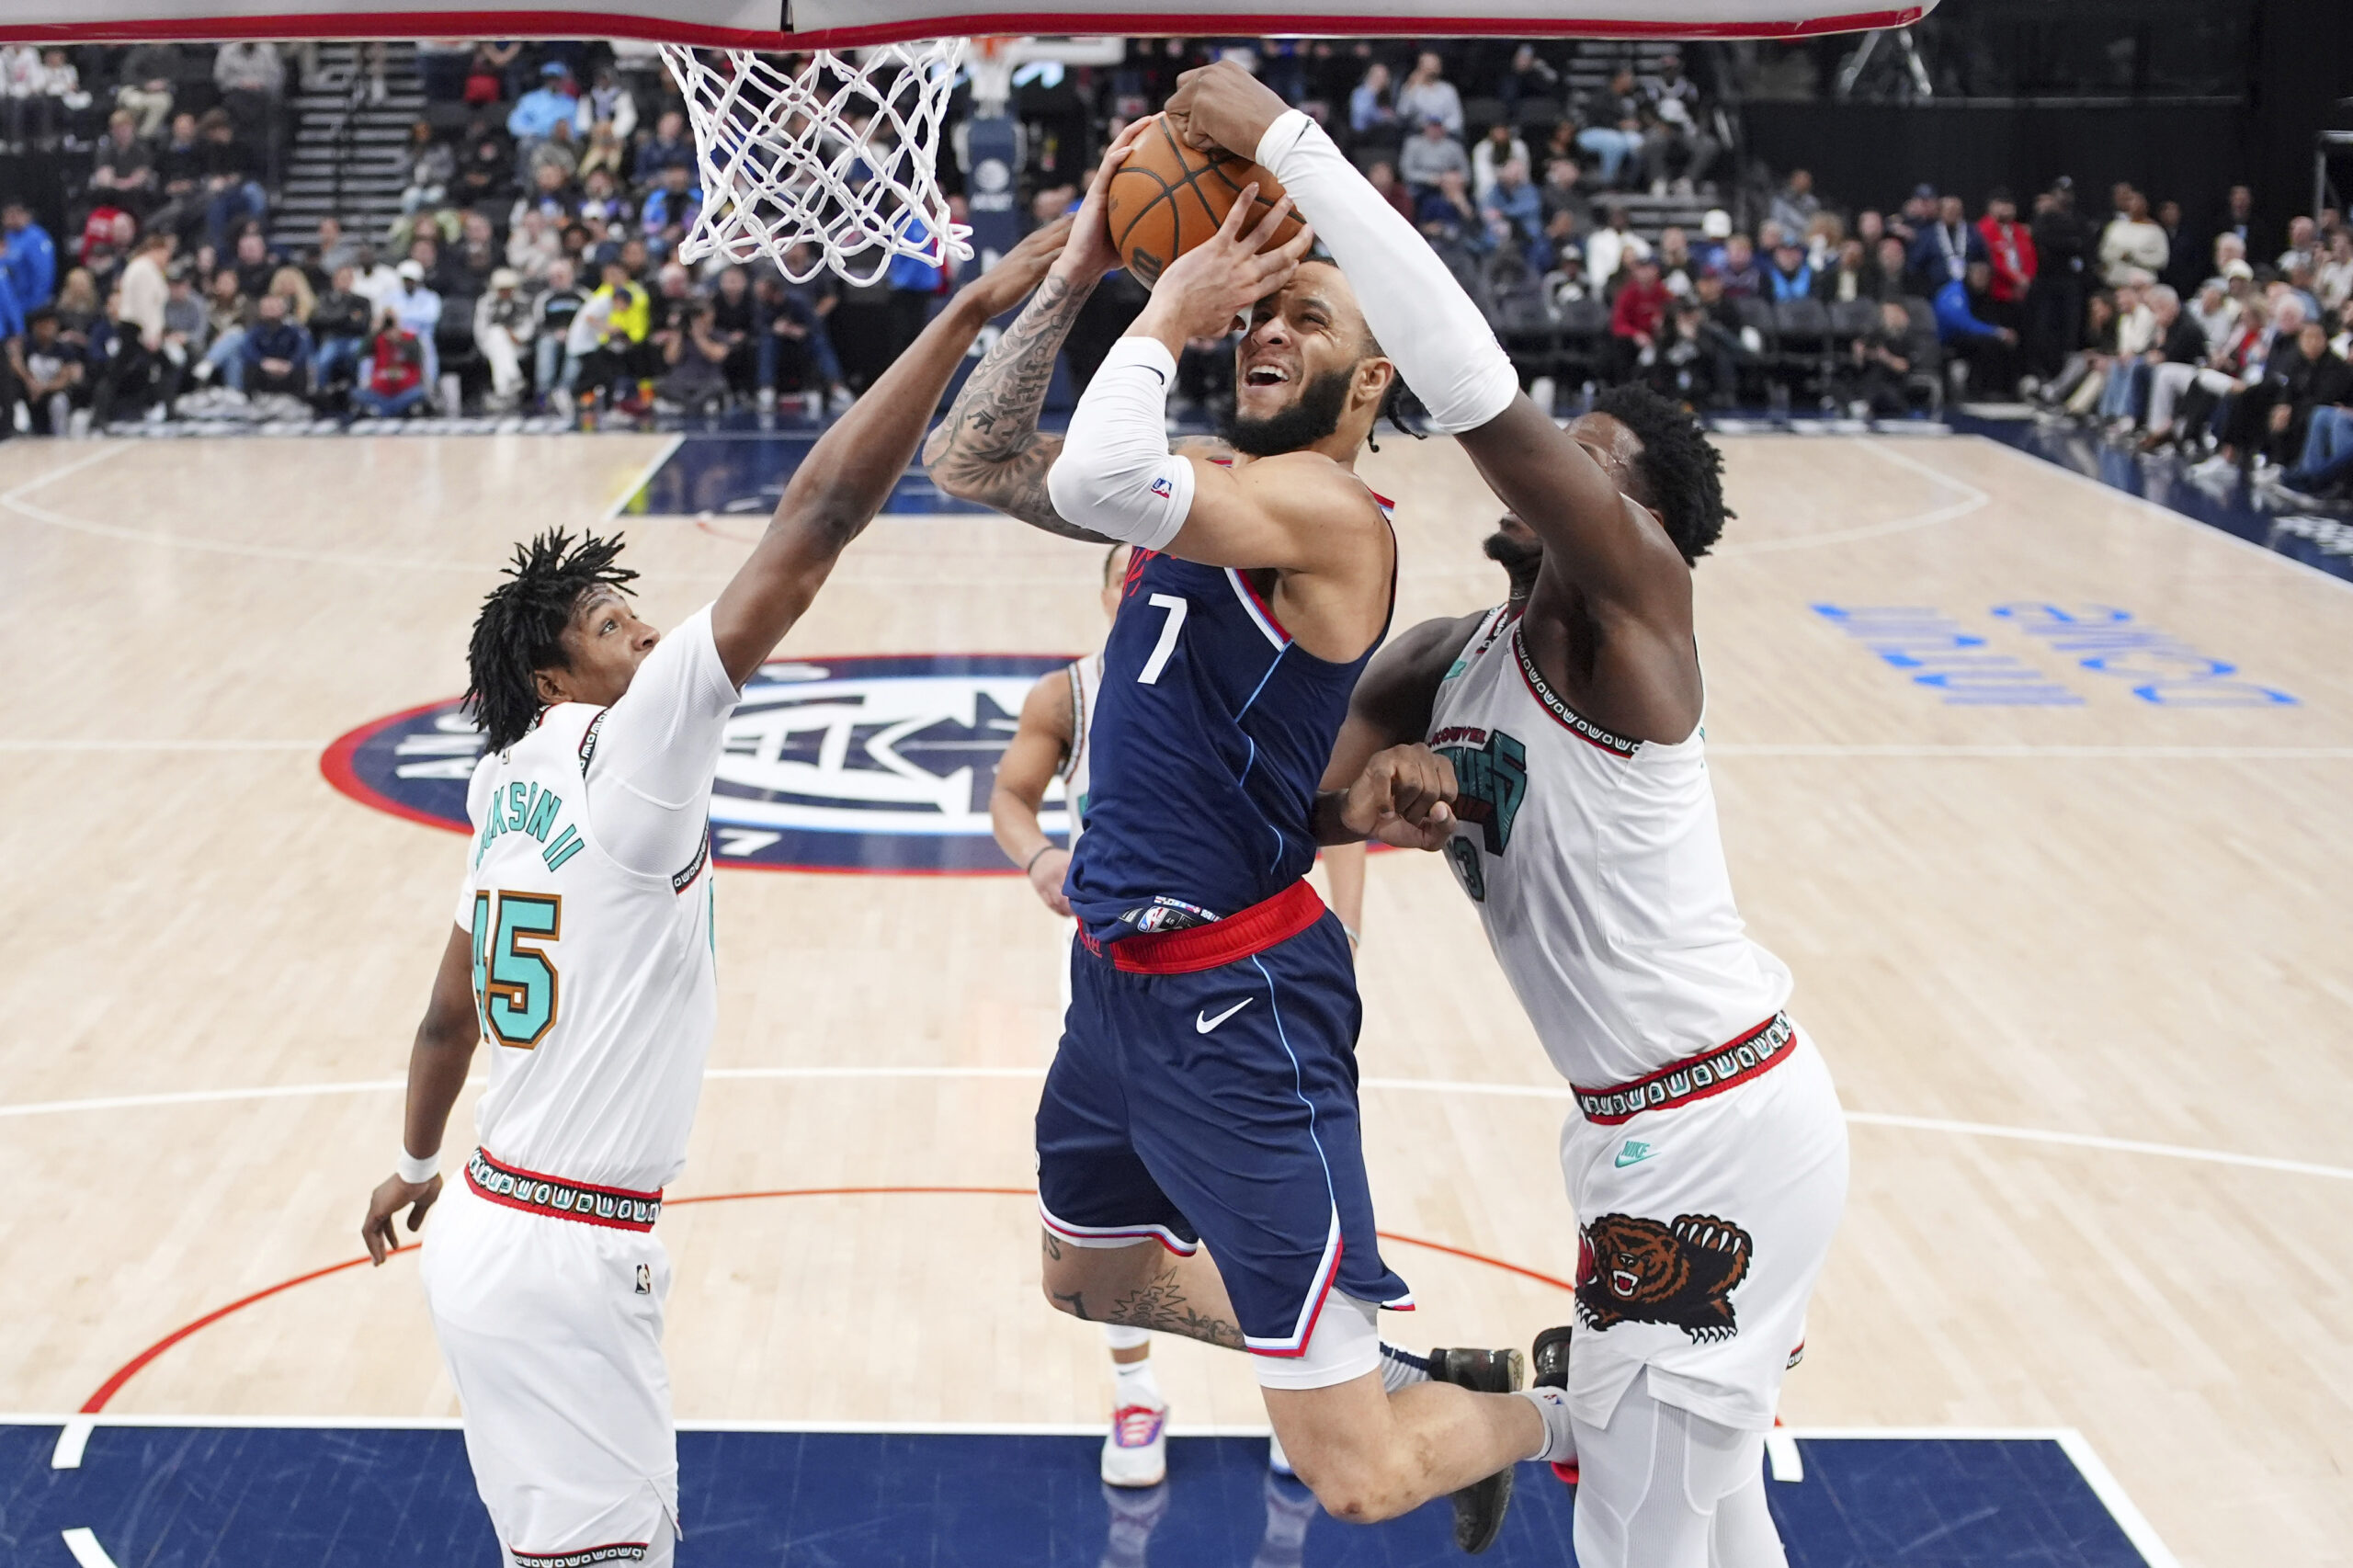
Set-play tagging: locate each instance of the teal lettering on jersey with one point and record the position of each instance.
(543, 817)
(526, 808)
(568, 844)
(1494, 779)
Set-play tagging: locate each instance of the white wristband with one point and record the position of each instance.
(417, 1171)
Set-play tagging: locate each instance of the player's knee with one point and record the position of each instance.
(1361, 1486)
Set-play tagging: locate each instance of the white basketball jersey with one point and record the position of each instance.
(1599, 870)
(594, 983)
(1085, 685)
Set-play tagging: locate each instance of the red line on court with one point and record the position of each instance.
(98, 1402)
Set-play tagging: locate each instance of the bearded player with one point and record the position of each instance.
(1202, 1104)
(1708, 1161)
(583, 954)
(1050, 744)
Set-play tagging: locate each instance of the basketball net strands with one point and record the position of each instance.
(818, 124)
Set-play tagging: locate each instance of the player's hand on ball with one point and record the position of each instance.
(1405, 797)
(1223, 106)
(1019, 270)
(1204, 290)
(1046, 874)
(388, 1199)
(1090, 253)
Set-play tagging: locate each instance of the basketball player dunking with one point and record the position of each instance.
(1050, 743)
(583, 954)
(1707, 1162)
(1204, 1094)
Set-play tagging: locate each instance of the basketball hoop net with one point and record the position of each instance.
(829, 151)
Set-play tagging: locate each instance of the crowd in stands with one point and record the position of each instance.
(533, 260)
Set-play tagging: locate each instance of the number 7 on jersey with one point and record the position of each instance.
(1166, 646)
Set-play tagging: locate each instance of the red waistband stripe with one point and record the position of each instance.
(616, 1207)
(1220, 942)
(1693, 1078)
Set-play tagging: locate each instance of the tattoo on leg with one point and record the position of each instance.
(1075, 1305)
(1053, 1248)
(1162, 1305)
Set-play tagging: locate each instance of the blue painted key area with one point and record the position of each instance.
(362, 1497)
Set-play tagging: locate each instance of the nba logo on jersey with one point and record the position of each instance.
(1163, 488)
(644, 1280)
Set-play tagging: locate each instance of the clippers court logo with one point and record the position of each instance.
(1632, 1270)
(879, 765)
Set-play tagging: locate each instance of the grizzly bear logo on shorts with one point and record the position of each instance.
(1641, 1271)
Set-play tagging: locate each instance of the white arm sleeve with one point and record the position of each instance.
(648, 779)
(1427, 324)
(1116, 474)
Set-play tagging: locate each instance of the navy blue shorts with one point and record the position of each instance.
(1218, 1105)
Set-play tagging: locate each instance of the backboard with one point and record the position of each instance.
(849, 24)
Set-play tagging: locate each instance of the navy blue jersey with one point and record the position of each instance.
(1209, 737)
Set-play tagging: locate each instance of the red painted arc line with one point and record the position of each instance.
(565, 24)
(98, 1401)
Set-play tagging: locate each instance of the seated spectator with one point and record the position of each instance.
(392, 379)
(1985, 352)
(186, 325)
(2303, 246)
(232, 194)
(416, 307)
(2333, 279)
(1428, 156)
(427, 165)
(1382, 177)
(1448, 217)
(1496, 148)
(1909, 222)
(608, 105)
(1795, 205)
(1528, 79)
(551, 329)
(1372, 117)
(603, 202)
(1678, 267)
(1613, 125)
(332, 251)
(253, 262)
(44, 93)
(180, 179)
(532, 245)
(1849, 276)
(2184, 395)
(1515, 215)
(52, 372)
(1744, 279)
(503, 323)
(227, 314)
(1889, 272)
(603, 150)
(486, 167)
(670, 210)
(30, 259)
(2324, 466)
(1636, 320)
(1427, 94)
(1943, 248)
(276, 352)
(2312, 377)
(468, 266)
(538, 112)
(2130, 243)
(1790, 276)
(2214, 311)
(1567, 213)
(1674, 140)
(107, 247)
(556, 151)
(694, 380)
(252, 78)
(1699, 364)
(2081, 377)
(1824, 232)
(339, 329)
(608, 336)
(797, 345)
(2175, 340)
(1880, 366)
(1613, 247)
(2009, 251)
(670, 144)
(122, 171)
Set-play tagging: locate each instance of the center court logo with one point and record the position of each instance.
(880, 763)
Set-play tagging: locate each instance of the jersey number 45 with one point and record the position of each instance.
(515, 986)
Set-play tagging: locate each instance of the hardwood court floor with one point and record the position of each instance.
(2076, 912)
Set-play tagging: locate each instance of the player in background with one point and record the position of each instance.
(583, 954)
(1200, 1169)
(1707, 1160)
(1050, 744)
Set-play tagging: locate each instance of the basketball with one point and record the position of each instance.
(1167, 198)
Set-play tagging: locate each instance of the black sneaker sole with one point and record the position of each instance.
(1550, 1358)
(1480, 1507)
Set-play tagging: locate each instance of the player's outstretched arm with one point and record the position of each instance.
(1443, 347)
(1040, 742)
(1388, 711)
(436, 1072)
(843, 483)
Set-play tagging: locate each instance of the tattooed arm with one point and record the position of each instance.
(989, 448)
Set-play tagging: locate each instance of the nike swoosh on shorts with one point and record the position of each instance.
(1203, 1023)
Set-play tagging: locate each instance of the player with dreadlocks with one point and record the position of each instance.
(582, 955)
(1707, 1158)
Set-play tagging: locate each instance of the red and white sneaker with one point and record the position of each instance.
(1135, 1454)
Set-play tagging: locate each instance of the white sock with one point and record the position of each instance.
(1401, 1368)
(1133, 1386)
(1560, 1445)
(1120, 1336)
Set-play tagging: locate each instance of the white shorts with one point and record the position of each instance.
(552, 1331)
(1703, 1229)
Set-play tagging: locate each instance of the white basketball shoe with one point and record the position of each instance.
(1135, 1452)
